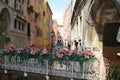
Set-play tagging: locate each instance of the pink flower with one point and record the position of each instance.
(10, 48)
(64, 51)
(70, 52)
(81, 53)
(34, 51)
(59, 55)
(61, 50)
(53, 56)
(87, 54)
(44, 51)
(20, 50)
(7, 51)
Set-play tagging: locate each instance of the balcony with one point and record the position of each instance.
(63, 68)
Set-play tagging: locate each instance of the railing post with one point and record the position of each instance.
(5, 71)
(83, 70)
(72, 72)
(25, 73)
(47, 77)
(101, 60)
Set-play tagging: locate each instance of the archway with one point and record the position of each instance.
(107, 19)
(5, 24)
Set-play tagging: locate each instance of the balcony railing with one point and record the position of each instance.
(70, 69)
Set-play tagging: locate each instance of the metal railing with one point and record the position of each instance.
(69, 69)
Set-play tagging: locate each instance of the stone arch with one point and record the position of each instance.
(107, 22)
(5, 12)
(102, 14)
(5, 25)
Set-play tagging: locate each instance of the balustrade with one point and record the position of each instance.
(70, 67)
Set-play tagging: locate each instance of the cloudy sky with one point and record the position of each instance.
(58, 7)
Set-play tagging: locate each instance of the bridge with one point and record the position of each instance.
(68, 69)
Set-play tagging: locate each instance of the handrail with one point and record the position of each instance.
(66, 71)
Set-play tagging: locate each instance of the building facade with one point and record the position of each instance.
(47, 28)
(32, 22)
(14, 28)
(39, 18)
(67, 26)
(60, 35)
(58, 38)
(55, 28)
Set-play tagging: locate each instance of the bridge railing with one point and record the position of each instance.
(69, 69)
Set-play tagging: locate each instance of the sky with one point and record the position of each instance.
(58, 7)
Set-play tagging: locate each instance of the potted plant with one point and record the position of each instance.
(30, 8)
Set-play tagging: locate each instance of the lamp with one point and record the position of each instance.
(52, 35)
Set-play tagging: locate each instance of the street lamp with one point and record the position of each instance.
(52, 35)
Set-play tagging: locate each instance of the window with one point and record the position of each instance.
(22, 26)
(49, 13)
(28, 29)
(42, 3)
(40, 17)
(15, 24)
(110, 34)
(47, 35)
(22, 1)
(15, 5)
(19, 25)
(39, 32)
(47, 23)
(19, 5)
(43, 13)
(7, 1)
(19, 1)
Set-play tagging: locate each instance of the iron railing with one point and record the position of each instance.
(69, 69)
